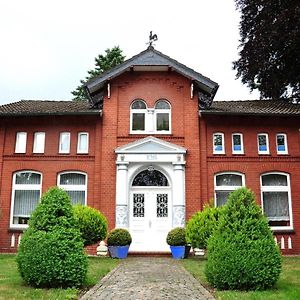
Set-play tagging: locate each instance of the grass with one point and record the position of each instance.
(12, 287)
(287, 288)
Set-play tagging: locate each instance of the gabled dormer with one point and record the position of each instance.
(152, 60)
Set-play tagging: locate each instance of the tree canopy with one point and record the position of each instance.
(270, 47)
(112, 57)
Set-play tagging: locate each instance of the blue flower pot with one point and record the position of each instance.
(118, 251)
(178, 251)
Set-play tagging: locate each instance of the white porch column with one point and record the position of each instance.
(179, 194)
(122, 194)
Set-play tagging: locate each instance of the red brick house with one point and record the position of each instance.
(148, 149)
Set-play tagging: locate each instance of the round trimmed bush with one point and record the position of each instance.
(91, 224)
(242, 254)
(51, 252)
(176, 237)
(201, 225)
(119, 237)
(52, 259)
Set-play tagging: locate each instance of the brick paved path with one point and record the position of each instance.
(143, 278)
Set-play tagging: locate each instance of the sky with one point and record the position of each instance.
(46, 47)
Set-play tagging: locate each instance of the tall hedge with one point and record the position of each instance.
(201, 225)
(51, 252)
(242, 254)
(91, 223)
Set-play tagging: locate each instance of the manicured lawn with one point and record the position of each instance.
(13, 287)
(287, 288)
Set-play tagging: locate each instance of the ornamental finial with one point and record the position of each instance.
(152, 38)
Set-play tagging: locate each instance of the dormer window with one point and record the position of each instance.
(144, 120)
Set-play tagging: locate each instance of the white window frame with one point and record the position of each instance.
(223, 143)
(242, 143)
(82, 151)
(163, 111)
(22, 187)
(72, 187)
(278, 188)
(39, 146)
(226, 188)
(267, 144)
(20, 146)
(285, 144)
(60, 150)
(150, 118)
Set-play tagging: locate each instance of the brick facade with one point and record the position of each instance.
(112, 129)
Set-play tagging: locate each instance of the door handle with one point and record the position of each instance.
(150, 223)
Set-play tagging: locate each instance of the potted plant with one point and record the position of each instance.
(118, 242)
(177, 241)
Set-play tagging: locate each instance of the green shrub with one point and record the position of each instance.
(51, 252)
(52, 259)
(201, 225)
(55, 210)
(119, 237)
(91, 223)
(176, 237)
(242, 254)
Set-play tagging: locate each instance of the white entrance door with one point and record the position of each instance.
(150, 219)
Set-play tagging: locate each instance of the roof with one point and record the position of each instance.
(45, 107)
(253, 107)
(152, 59)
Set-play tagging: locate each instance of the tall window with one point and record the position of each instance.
(155, 120)
(75, 184)
(276, 199)
(237, 143)
(21, 140)
(83, 142)
(225, 183)
(281, 143)
(26, 192)
(39, 142)
(218, 142)
(64, 142)
(138, 116)
(263, 143)
(163, 116)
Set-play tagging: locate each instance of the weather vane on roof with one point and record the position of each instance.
(152, 38)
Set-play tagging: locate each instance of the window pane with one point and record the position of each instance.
(65, 142)
(218, 142)
(221, 197)
(161, 104)
(83, 142)
(276, 206)
(138, 121)
(138, 105)
(162, 121)
(28, 178)
(274, 180)
(77, 197)
(72, 179)
(150, 178)
(21, 140)
(25, 202)
(237, 142)
(262, 143)
(39, 142)
(229, 180)
(280, 142)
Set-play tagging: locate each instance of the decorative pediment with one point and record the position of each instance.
(150, 145)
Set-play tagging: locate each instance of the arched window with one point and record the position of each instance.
(26, 193)
(162, 116)
(276, 199)
(150, 178)
(138, 116)
(225, 183)
(75, 184)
